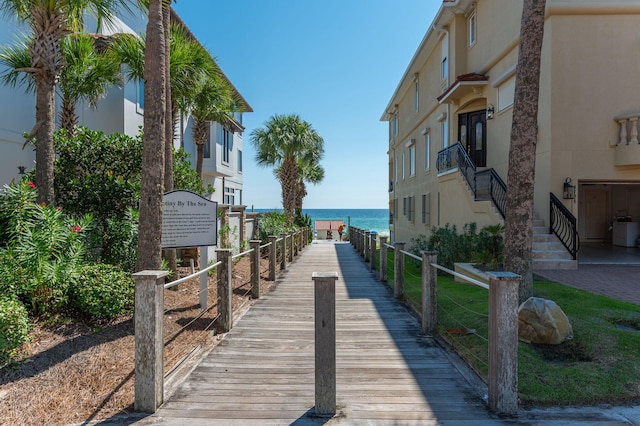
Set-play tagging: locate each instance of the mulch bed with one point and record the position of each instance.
(74, 372)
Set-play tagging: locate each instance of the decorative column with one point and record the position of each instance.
(623, 131)
(634, 131)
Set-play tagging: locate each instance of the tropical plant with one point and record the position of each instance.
(273, 223)
(290, 144)
(518, 256)
(44, 251)
(50, 21)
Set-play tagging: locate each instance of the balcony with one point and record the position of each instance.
(628, 147)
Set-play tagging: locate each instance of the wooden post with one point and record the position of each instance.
(255, 268)
(373, 250)
(398, 270)
(242, 229)
(383, 259)
(325, 342)
(149, 345)
(429, 292)
(367, 249)
(283, 249)
(204, 278)
(273, 251)
(225, 293)
(503, 342)
(291, 248)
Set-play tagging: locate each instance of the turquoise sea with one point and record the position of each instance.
(369, 219)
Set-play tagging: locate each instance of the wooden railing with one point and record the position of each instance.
(502, 380)
(149, 306)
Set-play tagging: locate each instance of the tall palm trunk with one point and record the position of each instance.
(68, 117)
(200, 138)
(49, 27)
(168, 255)
(522, 151)
(45, 152)
(289, 183)
(152, 188)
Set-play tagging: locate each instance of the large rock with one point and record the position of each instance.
(542, 321)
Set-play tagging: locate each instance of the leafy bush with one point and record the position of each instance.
(14, 326)
(97, 173)
(469, 246)
(185, 177)
(44, 250)
(102, 291)
(273, 223)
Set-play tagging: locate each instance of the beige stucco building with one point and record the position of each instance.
(459, 87)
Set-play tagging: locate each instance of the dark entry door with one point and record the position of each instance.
(472, 133)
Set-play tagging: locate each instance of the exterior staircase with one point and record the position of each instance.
(548, 251)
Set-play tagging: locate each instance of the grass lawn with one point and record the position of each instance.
(601, 364)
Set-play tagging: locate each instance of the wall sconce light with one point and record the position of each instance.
(490, 112)
(21, 169)
(569, 190)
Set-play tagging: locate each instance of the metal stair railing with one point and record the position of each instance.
(563, 225)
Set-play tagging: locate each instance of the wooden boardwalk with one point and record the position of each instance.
(388, 372)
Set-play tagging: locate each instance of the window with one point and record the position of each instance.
(207, 142)
(506, 93)
(445, 133)
(444, 54)
(395, 170)
(240, 161)
(472, 29)
(403, 165)
(226, 145)
(412, 161)
(427, 151)
(141, 94)
(445, 68)
(416, 96)
(404, 206)
(426, 209)
(410, 208)
(395, 123)
(229, 195)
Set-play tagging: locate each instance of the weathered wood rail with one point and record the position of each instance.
(387, 370)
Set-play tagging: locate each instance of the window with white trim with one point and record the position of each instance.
(427, 151)
(226, 145)
(426, 209)
(472, 28)
(412, 160)
(416, 96)
(445, 133)
(403, 165)
(207, 142)
(240, 161)
(229, 195)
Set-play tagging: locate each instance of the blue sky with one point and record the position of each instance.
(336, 63)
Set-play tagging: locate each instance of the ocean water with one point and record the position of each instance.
(369, 219)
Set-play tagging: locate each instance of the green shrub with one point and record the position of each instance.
(102, 291)
(44, 250)
(273, 223)
(14, 326)
(469, 246)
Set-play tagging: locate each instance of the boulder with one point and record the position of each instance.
(542, 321)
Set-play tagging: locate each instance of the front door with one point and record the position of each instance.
(472, 134)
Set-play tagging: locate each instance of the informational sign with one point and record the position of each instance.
(188, 220)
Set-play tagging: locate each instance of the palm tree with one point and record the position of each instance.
(87, 74)
(287, 142)
(213, 101)
(50, 21)
(152, 186)
(518, 235)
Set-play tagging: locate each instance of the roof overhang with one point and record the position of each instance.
(463, 85)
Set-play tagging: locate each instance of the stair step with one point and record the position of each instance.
(539, 230)
(551, 254)
(544, 238)
(548, 245)
(538, 222)
(546, 264)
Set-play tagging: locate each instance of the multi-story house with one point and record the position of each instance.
(451, 114)
(121, 110)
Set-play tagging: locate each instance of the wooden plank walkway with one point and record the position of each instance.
(388, 372)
